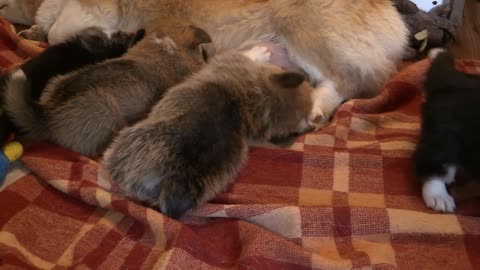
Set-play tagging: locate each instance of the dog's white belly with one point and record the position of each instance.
(74, 18)
(279, 55)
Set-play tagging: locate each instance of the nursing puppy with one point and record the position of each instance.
(83, 110)
(194, 141)
(90, 46)
(449, 138)
(354, 44)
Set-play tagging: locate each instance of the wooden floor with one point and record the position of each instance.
(467, 44)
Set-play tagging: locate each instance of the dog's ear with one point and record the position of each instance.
(207, 50)
(200, 40)
(287, 79)
(198, 36)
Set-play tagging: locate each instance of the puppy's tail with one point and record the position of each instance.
(442, 71)
(22, 110)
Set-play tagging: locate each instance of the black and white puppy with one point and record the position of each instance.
(90, 46)
(450, 134)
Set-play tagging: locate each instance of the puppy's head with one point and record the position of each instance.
(193, 42)
(97, 42)
(287, 109)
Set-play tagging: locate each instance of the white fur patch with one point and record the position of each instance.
(73, 18)
(325, 101)
(258, 54)
(433, 53)
(303, 125)
(435, 195)
(167, 43)
(19, 74)
(314, 74)
(451, 172)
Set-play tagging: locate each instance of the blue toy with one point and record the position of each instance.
(10, 152)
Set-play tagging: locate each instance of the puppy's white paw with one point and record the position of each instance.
(433, 53)
(325, 101)
(258, 54)
(436, 196)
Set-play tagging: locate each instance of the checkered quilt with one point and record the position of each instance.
(340, 198)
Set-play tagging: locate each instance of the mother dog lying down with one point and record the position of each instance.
(350, 46)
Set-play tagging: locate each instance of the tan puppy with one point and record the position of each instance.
(85, 109)
(347, 48)
(194, 141)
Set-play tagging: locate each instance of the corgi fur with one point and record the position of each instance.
(83, 110)
(347, 48)
(195, 139)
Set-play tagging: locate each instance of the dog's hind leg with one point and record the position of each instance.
(344, 51)
(15, 12)
(435, 163)
(45, 17)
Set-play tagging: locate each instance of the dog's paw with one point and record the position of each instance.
(258, 54)
(325, 102)
(436, 196)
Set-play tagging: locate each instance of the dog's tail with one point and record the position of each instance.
(26, 114)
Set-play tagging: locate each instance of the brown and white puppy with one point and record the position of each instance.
(83, 110)
(195, 139)
(353, 46)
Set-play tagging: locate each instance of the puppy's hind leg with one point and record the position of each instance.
(435, 193)
(46, 16)
(435, 165)
(48, 13)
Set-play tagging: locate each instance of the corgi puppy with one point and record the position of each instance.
(195, 139)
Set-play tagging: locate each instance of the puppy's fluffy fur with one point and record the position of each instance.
(83, 110)
(450, 129)
(88, 47)
(354, 44)
(194, 141)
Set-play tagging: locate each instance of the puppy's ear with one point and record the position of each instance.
(198, 36)
(287, 79)
(207, 50)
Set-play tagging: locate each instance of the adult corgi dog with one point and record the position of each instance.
(347, 48)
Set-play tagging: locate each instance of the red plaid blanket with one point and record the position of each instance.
(13, 49)
(340, 198)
